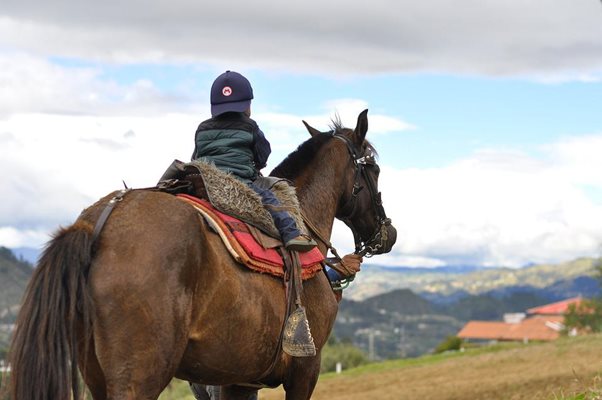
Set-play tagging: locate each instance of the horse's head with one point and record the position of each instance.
(360, 206)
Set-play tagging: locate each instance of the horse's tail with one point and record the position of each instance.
(56, 314)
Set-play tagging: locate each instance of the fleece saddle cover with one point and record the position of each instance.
(231, 196)
(249, 246)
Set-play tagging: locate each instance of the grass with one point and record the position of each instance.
(568, 369)
(422, 361)
(593, 392)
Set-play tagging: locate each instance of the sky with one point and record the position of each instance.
(485, 113)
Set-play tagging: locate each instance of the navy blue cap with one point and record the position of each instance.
(230, 92)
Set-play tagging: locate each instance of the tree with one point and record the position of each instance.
(587, 315)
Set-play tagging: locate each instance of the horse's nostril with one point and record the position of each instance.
(392, 235)
(391, 238)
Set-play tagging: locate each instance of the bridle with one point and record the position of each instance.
(379, 237)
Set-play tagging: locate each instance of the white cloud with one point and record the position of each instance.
(549, 39)
(580, 157)
(60, 164)
(286, 131)
(349, 109)
(33, 84)
(12, 237)
(497, 208)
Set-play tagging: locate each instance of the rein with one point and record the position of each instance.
(380, 236)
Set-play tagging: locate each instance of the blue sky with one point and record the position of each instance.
(452, 116)
(485, 116)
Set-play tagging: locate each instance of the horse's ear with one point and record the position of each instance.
(312, 131)
(362, 127)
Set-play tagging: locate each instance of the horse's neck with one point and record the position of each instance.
(319, 194)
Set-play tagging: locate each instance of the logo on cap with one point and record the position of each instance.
(227, 91)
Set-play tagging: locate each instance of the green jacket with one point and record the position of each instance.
(234, 143)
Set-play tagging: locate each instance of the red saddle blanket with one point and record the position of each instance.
(241, 240)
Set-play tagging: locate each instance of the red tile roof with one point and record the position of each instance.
(534, 328)
(558, 308)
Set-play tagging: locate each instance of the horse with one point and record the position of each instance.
(155, 295)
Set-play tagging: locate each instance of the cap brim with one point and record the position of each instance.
(235, 106)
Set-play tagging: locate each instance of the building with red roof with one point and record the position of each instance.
(542, 323)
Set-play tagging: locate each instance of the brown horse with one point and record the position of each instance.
(157, 295)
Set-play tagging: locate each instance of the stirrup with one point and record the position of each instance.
(297, 340)
(301, 244)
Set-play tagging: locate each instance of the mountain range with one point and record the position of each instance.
(14, 275)
(451, 283)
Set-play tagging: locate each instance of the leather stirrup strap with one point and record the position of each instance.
(289, 307)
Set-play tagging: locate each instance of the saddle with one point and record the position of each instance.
(248, 245)
(236, 213)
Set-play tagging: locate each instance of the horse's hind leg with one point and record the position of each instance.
(137, 352)
(133, 372)
(139, 338)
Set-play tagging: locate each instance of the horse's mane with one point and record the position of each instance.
(296, 161)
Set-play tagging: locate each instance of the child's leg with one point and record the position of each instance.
(284, 222)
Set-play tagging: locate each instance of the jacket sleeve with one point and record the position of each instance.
(261, 149)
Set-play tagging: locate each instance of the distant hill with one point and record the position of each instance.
(29, 254)
(403, 302)
(537, 276)
(411, 322)
(453, 283)
(489, 307)
(14, 275)
(395, 324)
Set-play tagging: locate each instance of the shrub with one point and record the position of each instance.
(450, 343)
(345, 353)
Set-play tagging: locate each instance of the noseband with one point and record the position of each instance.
(378, 240)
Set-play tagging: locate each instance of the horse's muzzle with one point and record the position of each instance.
(387, 240)
(381, 242)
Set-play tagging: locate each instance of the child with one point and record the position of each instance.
(232, 141)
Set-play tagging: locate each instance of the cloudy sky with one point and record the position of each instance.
(486, 113)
